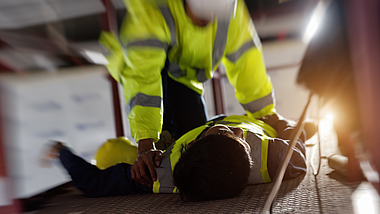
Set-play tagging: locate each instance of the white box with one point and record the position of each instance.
(73, 106)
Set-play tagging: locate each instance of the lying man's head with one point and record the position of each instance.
(214, 167)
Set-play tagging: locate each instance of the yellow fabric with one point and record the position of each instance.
(264, 163)
(267, 110)
(114, 151)
(254, 125)
(138, 67)
(194, 46)
(114, 56)
(248, 74)
(156, 186)
(143, 65)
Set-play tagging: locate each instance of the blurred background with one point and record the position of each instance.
(53, 83)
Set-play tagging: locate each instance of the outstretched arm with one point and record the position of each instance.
(93, 182)
(245, 66)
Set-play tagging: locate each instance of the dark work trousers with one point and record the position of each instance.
(93, 182)
(184, 109)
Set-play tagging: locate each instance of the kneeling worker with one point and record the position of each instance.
(214, 161)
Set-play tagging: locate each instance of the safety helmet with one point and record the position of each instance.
(114, 151)
(209, 9)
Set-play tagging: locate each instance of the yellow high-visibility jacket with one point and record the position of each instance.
(256, 133)
(155, 31)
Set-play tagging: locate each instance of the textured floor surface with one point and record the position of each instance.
(326, 193)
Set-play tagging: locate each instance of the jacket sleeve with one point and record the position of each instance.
(136, 62)
(277, 149)
(245, 65)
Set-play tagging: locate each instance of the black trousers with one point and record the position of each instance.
(184, 109)
(93, 182)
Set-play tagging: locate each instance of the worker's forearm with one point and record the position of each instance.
(145, 144)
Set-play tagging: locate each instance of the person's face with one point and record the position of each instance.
(228, 131)
(202, 22)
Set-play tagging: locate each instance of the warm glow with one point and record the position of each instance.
(365, 204)
(365, 199)
(326, 122)
(330, 116)
(315, 20)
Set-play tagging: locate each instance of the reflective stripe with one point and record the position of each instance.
(220, 41)
(264, 164)
(144, 100)
(201, 75)
(165, 174)
(224, 122)
(255, 173)
(235, 56)
(175, 70)
(259, 104)
(150, 43)
(167, 14)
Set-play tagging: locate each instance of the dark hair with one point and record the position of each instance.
(215, 167)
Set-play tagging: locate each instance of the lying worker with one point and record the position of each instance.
(214, 161)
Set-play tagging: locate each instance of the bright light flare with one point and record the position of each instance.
(326, 123)
(365, 199)
(95, 57)
(93, 161)
(330, 116)
(315, 20)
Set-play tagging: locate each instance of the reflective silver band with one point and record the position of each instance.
(235, 56)
(165, 173)
(144, 100)
(149, 43)
(256, 143)
(167, 14)
(175, 70)
(201, 75)
(220, 41)
(259, 104)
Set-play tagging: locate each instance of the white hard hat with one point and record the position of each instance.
(209, 9)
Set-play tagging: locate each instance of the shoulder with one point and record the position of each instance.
(144, 20)
(241, 16)
(241, 28)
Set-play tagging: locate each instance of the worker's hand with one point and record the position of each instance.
(143, 170)
(145, 145)
(52, 152)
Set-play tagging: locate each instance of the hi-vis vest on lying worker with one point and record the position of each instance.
(256, 134)
(158, 34)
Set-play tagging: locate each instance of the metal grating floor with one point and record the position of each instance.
(327, 193)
